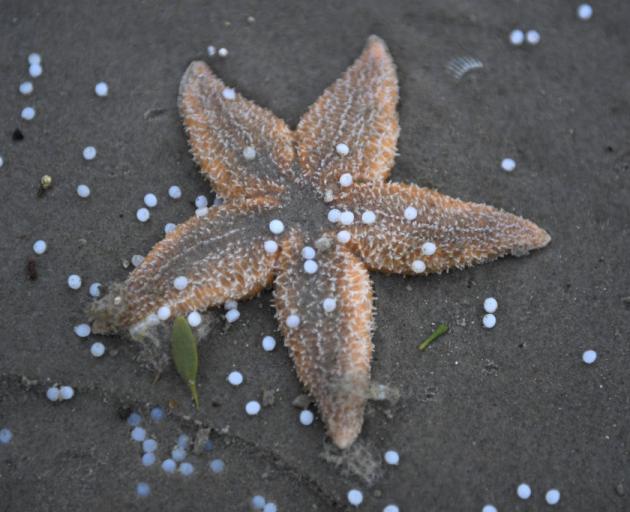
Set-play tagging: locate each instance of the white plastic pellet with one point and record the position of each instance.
(82, 330)
(150, 200)
(66, 392)
(74, 281)
(252, 408)
(490, 305)
(533, 37)
(26, 88)
(276, 226)
(143, 489)
(83, 191)
(524, 491)
(589, 356)
(232, 315)
(149, 445)
(201, 202)
(95, 290)
(306, 417)
(186, 468)
(138, 434)
(97, 349)
(194, 319)
(101, 89)
(180, 283)
(268, 343)
(53, 394)
(517, 37)
(35, 70)
(489, 321)
(293, 321)
(28, 113)
(235, 378)
(584, 12)
(148, 459)
(508, 164)
(174, 192)
(355, 497)
(552, 497)
(164, 313)
(342, 149)
(169, 466)
(39, 247)
(392, 458)
(89, 153)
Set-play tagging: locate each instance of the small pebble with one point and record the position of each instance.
(186, 468)
(26, 88)
(552, 497)
(101, 89)
(252, 408)
(169, 466)
(533, 37)
(137, 259)
(5, 436)
(217, 465)
(35, 70)
(134, 419)
(517, 37)
(97, 349)
(143, 489)
(232, 315)
(53, 394)
(66, 392)
(235, 378)
(169, 227)
(489, 508)
(523, 491)
(342, 149)
(83, 191)
(150, 200)
(270, 246)
(355, 497)
(508, 164)
(138, 434)
(143, 214)
(39, 247)
(89, 153)
(589, 356)
(95, 290)
(164, 313)
(148, 459)
(391, 508)
(174, 192)
(268, 343)
(149, 445)
(584, 12)
(74, 281)
(28, 113)
(157, 414)
(293, 321)
(490, 305)
(82, 330)
(258, 502)
(194, 319)
(180, 283)
(392, 458)
(223, 52)
(489, 321)
(306, 417)
(201, 202)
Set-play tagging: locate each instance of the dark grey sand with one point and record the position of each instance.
(480, 411)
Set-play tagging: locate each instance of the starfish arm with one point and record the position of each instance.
(358, 110)
(331, 349)
(221, 256)
(242, 148)
(439, 233)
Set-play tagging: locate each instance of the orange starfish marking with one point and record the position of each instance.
(303, 179)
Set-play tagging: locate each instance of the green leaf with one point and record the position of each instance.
(439, 330)
(184, 350)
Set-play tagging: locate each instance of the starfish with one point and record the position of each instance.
(310, 211)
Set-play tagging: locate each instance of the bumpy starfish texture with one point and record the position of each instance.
(324, 188)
